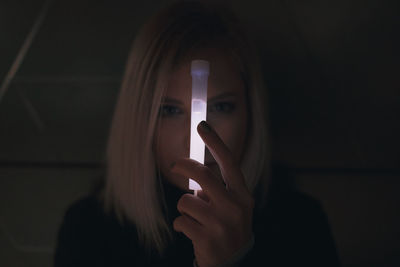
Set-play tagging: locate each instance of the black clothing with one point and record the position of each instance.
(292, 231)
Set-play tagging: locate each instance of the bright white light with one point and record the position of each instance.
(200, 70)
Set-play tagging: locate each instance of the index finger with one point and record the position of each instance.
(210, 183)
(230, 168)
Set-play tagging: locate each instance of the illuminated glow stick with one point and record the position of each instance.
(200, 70)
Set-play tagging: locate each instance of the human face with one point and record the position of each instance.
(227, 113)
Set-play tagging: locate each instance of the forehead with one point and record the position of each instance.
(224, 76)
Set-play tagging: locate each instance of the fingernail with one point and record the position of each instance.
(205, 126)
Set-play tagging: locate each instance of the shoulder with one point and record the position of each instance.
(86, 210)
(299, 225)
(83, 221)
(297, 212)
(80, 236)
(286, 202)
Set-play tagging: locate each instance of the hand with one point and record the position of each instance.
(219, 219)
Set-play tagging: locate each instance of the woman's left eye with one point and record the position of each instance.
(224, 107)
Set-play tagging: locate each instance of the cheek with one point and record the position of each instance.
(233, 132)
(171, 144)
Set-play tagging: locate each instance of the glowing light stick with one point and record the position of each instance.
(200, 70)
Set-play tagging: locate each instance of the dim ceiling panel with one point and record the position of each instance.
(72, 124)
(16, 19)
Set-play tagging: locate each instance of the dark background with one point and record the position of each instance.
(332, 68)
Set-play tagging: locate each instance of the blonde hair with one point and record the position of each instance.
(132, 187)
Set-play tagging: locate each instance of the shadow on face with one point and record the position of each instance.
(227, 113)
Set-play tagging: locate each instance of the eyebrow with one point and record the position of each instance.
(213, 99)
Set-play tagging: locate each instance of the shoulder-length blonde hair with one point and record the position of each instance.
(133, 188)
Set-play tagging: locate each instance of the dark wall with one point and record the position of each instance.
(332, 72)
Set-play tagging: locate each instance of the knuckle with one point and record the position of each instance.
(180, 163)
(177, 223)
(182, 202)
(185, 197)
(179, 206)
(206, 242)
(219, 231)
(204, 172)
(237, 212)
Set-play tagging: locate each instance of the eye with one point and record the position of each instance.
(169, 110)
(223, 107)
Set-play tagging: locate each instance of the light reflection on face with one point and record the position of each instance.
(227, 113)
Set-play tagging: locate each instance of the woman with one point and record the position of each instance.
(145, 215)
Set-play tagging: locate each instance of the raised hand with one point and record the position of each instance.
(219, 219)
